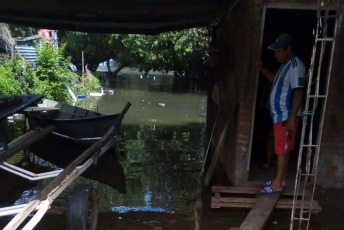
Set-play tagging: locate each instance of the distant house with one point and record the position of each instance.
(26, 45)
(26, 48)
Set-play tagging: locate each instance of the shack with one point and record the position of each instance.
(241, 31)
(240, 40)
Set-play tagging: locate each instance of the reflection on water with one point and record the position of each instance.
(160, 147)
(163, 164)
(161, 144)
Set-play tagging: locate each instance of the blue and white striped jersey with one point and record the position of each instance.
(291, 75)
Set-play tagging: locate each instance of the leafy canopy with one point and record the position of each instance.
(184, 50)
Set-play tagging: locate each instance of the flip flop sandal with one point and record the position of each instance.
(267, 183)
(269, 190)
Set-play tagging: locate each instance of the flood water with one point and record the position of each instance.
(161, 142)
(161, 146)
(161, 149)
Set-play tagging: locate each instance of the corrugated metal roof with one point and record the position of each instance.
(28, 53)
(27, 50)
(112, 16)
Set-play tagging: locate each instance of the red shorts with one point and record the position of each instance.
(284, 141)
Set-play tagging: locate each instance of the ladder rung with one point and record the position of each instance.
(309, 174)
(324, 39)
(305, 219)
(306, 211)
(317, 96)
(328, 16)
(308, 113)
(310, 145)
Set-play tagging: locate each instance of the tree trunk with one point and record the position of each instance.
(109, 68)
(119, 68)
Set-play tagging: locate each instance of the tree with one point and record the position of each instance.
(22, 31)
(53, 73)
(182, 51)
(10, 83)
(95, 46)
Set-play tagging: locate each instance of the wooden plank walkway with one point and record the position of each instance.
(246, 197)
(261, 206)
(260, 213)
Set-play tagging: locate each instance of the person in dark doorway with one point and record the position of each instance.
(286, 98)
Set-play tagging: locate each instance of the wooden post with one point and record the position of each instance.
(82, 69)
(216, 154)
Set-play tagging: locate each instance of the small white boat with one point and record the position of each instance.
(97, 94)
(109, 91)
(101, 92)
(72, 123)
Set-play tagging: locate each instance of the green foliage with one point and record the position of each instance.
(22, 31)
(31, 81)
(184, 50)
(10, 73)
(96, 48)
(91, 84)
(53, 74)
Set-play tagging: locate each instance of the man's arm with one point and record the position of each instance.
(267, 73)
(296, 102)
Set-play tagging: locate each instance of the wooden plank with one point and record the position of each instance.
(216, 154)
(260, 213)
(235, 189)
(234, 200)
(39, 109)
(288, 191)
(239, 202)
(24, 141)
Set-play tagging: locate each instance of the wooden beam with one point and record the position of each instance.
(39, 109)
(261, 212)
(24, 141)
(288, 191)
(243, 202)
(216, 154)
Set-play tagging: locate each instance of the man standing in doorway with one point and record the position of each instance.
(286, 98)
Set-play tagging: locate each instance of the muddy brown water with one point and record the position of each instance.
(161, 149)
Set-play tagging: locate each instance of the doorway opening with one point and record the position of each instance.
(300, 24)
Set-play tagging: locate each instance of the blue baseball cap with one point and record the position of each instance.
(282, 40)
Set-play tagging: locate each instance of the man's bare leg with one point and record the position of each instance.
(285, 169)
(282, 165)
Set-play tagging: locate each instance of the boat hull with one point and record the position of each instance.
(73, 123)
(61, 153)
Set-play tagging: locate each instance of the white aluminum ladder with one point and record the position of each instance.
(313, 117)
